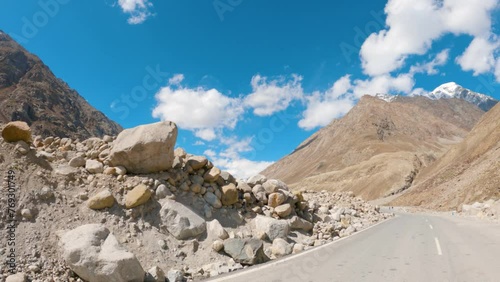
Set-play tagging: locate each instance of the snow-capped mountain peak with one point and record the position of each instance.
(386, 97)
(453, 90)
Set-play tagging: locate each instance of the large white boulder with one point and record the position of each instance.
(146, 148)
(273, 228)
(180, 221)
(93, 253)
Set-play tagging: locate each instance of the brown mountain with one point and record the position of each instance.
(468, 172)
(379, 147)
(30, 92)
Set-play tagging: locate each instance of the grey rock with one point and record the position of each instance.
(274, 228)
(175, 275)
(281, 247)
(257, 179)
(93, 253)
(180, 221)
(212, 199)
(94, 166)
(245, 251)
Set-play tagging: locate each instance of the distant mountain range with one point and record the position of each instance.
(453, 90)
(448, 91)
(30, 92)
(379, 147)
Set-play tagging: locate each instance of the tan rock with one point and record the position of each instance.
(109, 170)
(212, 174)
(197, 162)
(102, 200)
(146, 148)
(17, 131)
(229, 194)
(283, 210)
(137, 196)
(276, 199)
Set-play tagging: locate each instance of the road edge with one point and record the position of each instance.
(232, 275)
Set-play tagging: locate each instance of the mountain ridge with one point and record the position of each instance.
(379, 147)
(30, 92)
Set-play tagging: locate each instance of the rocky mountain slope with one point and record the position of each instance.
(30, 92)
(81, 214)
(453, 90)
(379, 147)
(468, 172)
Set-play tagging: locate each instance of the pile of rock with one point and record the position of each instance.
(118, 204)
(489, 209)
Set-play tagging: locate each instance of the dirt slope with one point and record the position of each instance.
(468, 172)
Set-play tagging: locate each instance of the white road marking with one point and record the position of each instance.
(438, 246)
(431, 226)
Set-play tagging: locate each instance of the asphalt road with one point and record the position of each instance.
(410, 247)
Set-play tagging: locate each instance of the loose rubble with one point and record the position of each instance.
(487, 210)
(99, 210)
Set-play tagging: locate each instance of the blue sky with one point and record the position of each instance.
(247, 81)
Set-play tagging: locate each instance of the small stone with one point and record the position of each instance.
(175, 275)
(162, 192)
(120, 170)
(163, 244)
(276, 199)
(137, 196)
(77, 162)
(283, 210)
(218, 245)
(229, 194)
(34, 268)
(281, 247)
(109, 171)
(257, 179)
(18, 277)
(155, 274)
(16, 131)
(46, 193)
(26, 213)
(22, 147)
(215, 230)
(195, 188)
(94, 166)
(102, 200)
(212, 200)
(297, 248)
(212, 174)
(197, 162)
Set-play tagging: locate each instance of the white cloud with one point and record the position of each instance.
(386, 84)
(176, 79)
(269, 97)
(138, 10)
(197, 109)
(241, 167)
(479, 56)
(497, 70)
(322, 108)
(414, 25)
(210, 153)
(207, 134)
(198, 143)
(231, 159)
(430, 67)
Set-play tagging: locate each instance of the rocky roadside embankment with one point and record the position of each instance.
(133, 208)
